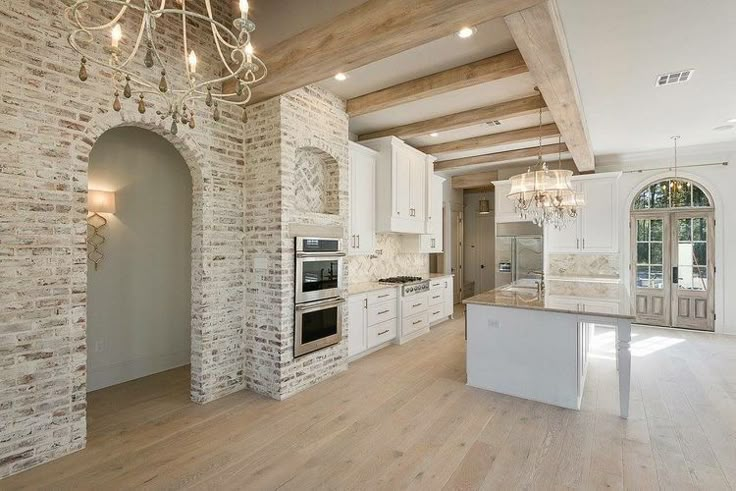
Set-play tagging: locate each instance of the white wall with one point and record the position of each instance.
(719, 181)
(139, 300)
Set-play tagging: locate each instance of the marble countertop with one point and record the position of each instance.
(528, 298)
(369, 286)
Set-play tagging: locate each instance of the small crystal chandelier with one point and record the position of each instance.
(153, 77)
(544, 196)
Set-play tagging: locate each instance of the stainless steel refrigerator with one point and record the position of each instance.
(519, 252)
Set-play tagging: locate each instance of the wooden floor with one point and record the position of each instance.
(403, 418)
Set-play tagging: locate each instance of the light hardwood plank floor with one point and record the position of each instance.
(402, 418)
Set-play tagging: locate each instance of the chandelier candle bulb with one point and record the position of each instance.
(116, 35)
(192, 62)
(249, 53)
(244, 8)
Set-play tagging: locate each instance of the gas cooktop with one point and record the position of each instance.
(400, 279)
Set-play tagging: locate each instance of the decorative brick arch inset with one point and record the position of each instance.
(195, 160)
(316, 182)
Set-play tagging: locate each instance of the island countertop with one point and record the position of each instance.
(528, 298)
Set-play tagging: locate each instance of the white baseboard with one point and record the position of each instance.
(99, 377)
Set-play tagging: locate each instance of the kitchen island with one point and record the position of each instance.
(534, 345)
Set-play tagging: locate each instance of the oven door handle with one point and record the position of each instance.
(320, 254)
(308, 307)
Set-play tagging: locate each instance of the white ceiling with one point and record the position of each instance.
(618, 49)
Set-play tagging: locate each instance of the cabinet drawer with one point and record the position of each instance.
(414, 323)
(436, 296)
(382, 295)
(437, 284)
(381, 333)
(436, 312)
(414, 304)
(381, 312)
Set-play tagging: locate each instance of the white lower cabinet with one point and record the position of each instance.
(372, 320)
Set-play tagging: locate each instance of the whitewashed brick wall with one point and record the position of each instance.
(306, 125)
(49, 121)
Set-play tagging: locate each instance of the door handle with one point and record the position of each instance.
(675, 275)
(482, 266)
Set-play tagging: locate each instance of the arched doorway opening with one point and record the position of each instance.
(673, 255)
(139, 299)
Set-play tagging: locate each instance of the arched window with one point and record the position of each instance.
(672, 193)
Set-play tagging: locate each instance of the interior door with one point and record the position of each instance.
(456, 233)
(651, 288)
(693, 270)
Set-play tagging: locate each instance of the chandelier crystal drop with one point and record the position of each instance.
(141, 59)
(545, 196)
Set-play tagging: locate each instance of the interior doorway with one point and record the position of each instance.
(673, 255)
(139, 297)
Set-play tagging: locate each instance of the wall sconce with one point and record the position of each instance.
(97, 202)
(484, 207)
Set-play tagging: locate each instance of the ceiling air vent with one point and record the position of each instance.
(674, 78)
(495, 122)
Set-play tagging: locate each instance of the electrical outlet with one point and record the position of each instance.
(493, 324)
(99, 346)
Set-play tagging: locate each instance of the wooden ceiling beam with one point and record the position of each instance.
(478, 72)
(538, 33)
(473, 181)
(371, 31)
(500, 111)
(492, 140)
(493, 157)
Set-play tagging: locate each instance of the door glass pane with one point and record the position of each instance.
(642, 253)
(685, 228)
(699, 197)
(657, 230)
(649, 247)
(692, 255)
(699, 228)
(680, 192)
(660, 195)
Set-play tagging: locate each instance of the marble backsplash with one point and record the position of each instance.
(587, 289)
(584, 265)
(388, 261)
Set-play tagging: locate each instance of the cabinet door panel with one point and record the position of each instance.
(356, 325)
(418, 186)
(402, 183)
(598, 218)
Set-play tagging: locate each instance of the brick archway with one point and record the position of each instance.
(194, 159)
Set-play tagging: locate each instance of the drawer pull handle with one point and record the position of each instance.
(383, 312)
(383, 332)
(416, 305)
(416, 322)
(435, 313)
(436, 296)
(384, 295)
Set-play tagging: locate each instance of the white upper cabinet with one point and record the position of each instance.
(362, 236)
(595, 230)
(432, 241)
(504, 210)
(401, 187)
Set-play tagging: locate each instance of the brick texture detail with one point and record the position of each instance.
(50, 120)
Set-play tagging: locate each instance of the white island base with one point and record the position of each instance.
(539, 354)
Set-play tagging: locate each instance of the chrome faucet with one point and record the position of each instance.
(540, 282)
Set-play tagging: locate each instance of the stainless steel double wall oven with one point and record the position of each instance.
(318, 294)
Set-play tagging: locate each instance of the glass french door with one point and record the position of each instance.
(673, 268)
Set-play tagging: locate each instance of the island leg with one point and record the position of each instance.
(623, 359)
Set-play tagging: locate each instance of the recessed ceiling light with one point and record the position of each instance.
(434, 135)
(341, 77)
(466, 32)
(732, 120)
(725, 127)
